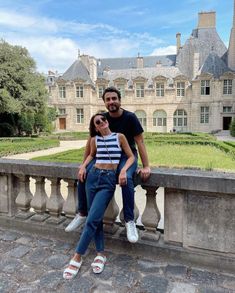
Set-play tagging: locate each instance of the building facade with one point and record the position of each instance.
(193, 90)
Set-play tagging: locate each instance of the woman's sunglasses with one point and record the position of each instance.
(102, 119)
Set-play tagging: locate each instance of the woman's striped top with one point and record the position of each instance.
(108, 150)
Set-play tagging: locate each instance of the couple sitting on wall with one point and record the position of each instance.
(110, 153)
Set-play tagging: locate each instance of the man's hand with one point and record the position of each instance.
(82, 173)
(144, 173)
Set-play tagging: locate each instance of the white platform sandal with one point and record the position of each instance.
(70, 273)
(98, 264)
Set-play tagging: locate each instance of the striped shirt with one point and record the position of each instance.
(108, 150)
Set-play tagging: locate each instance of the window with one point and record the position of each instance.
(205, 87)
(180, 118)
(160, 89)
(159, 118)
(121, 88)
(227, 88)
(141, 115)
(140, 90)
(80, 116)
(79, 91)
(204, 116)
(62, 92)
(62, 111)
(101, 89)
(180, 89)
(227, 109)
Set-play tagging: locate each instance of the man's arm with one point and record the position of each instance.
(145, 170)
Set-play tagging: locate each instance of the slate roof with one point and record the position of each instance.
(77, 71)
(202, 41)
(130, 63)
(214, 65)
(149, 73)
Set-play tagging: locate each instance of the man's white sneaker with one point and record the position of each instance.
(76, 222)
(132, 234)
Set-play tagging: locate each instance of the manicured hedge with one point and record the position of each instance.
(10, 146)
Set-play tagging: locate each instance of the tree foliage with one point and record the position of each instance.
(232, 128)
(23, 96)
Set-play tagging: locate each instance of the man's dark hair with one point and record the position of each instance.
(112, 89)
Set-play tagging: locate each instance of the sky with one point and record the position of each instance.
(54, 31)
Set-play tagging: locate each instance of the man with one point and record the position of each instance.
(127, 123)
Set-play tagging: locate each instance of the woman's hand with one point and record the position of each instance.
(122, 180)
(82, 173)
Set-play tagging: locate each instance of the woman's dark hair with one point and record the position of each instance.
(92, 129)
(112, 89)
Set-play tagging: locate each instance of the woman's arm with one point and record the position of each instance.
(89, 158)
(126, 148)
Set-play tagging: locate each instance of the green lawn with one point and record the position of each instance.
(167, 155)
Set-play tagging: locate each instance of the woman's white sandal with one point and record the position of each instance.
(98, 267)
(71, 273)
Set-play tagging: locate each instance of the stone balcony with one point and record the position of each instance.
(199, 215)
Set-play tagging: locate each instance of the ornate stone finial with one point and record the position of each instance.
(79, 54)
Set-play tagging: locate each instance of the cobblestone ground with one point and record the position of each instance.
(33, 264)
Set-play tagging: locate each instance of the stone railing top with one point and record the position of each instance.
(186, 179)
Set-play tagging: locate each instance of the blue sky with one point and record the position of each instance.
(53, 31)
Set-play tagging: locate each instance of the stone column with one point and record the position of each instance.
(55, 201)
(151, 215)
(71, 203)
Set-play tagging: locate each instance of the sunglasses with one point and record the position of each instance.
(102, 119)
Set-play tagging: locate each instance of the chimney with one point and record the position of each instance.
(178, 42)
(196, 64)
(231, 48)
(140, 61)
(206, 19)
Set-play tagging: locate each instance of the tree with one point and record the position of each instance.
(232, 128)
(23, 96)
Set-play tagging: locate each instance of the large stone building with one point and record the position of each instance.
(193, 90)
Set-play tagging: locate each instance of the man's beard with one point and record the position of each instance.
(113, 109)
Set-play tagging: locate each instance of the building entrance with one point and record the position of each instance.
(226, 122)
(62, 123)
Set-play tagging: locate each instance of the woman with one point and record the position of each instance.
(106, 148)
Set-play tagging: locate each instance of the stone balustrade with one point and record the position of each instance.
(199, 208)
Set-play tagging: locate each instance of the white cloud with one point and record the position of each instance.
(169, 50)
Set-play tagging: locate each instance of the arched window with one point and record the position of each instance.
(141, 115)
(159, 118)
(180, 120)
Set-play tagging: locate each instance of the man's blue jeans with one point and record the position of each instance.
(100, 187)
(128, 191)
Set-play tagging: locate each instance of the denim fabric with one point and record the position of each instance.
(128, 191)
(100, 187)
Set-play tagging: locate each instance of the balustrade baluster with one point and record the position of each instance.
(70, 204)
(40, 197)
(151, 215)
(55, 201)
(24, 196)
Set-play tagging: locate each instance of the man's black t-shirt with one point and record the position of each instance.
(128, 124)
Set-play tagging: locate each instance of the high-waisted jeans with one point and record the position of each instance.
(128, 191)
(100, 187)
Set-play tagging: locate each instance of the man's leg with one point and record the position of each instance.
(81, 214)
(128, 193)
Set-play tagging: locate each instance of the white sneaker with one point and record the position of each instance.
(76, 222)
(132, 233)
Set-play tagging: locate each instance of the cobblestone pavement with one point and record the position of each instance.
(30, 263)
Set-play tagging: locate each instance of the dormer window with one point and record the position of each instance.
(160, 89)
(180, 89)
(121, 88)
(101, 89)
(62, 92)
(140, 90)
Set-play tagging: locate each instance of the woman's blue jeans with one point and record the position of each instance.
(100, 187)
(128, 191)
